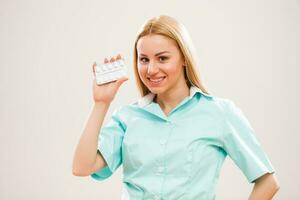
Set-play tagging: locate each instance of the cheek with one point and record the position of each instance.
(172, 70)
(142, 69)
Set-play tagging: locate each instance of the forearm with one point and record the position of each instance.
(86, 150)
(264, 188)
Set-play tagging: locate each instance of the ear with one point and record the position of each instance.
(185, 64)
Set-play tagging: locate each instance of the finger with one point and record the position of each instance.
(112, 59)
(124, 78)
(119, 56)
(105, 60)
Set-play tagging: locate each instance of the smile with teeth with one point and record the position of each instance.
(158, 80)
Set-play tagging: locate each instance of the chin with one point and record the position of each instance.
(157, 90)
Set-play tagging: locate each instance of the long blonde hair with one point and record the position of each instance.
(171, 28)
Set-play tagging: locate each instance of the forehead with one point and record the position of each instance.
(151, 44)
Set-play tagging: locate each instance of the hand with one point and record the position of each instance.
(106, 92)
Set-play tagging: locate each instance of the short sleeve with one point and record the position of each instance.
(109, 145)
(242, 146)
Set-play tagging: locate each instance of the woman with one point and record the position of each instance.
(171, 142)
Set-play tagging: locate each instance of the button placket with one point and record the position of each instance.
(161, 169)
(163, 141)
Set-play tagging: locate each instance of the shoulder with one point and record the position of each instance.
(125, 112)
(224, 104)
(127, 109)
(232, 114)
(226, 110)
(219, 104)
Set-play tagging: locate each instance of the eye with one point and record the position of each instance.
(163, 58)
(143, 59)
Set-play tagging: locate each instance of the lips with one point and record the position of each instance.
(156, 80)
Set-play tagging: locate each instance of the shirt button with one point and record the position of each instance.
(162, 141)
(160, 169)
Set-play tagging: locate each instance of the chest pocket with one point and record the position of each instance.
(140, 148)
(191, 149)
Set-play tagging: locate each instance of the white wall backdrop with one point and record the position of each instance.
(248, 50)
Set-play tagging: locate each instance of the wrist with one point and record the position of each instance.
(101, 104)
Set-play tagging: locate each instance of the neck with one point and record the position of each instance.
(172, 97)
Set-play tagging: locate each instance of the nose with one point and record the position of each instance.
(152, 69)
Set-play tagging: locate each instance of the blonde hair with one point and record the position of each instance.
(171, 28)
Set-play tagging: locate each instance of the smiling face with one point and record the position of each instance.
(160, 63)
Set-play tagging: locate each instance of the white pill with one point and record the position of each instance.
(109, 72)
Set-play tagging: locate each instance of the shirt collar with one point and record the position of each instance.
(148, 98)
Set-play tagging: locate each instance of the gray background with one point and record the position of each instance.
(248, 50)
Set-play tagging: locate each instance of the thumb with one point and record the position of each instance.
(121, 80)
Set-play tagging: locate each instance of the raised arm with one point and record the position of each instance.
(86, 158)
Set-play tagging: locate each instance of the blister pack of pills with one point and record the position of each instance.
(108, 72)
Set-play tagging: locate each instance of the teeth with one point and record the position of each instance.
(157, 80)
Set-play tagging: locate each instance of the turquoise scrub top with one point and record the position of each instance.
(179, 156)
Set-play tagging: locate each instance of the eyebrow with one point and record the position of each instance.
(157, 53)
